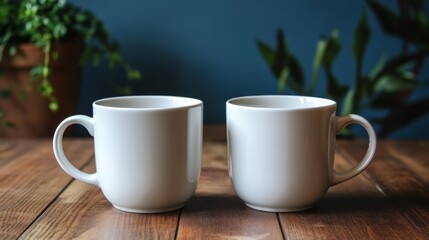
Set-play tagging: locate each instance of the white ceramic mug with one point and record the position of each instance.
(147, 150)
(281, 150)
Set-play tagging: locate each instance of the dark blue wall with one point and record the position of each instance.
(207, 50)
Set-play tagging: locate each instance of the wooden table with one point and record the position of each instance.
(390, 200)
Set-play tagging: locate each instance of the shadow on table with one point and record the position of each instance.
(362, 202)
(214, 203)
(330, 203)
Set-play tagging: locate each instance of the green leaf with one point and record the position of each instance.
(412, 27)
(361, 38)
(335, 89)
(36, 73)
(347, 105)
(81, 17)
(400, 63)
(396, 83)
(12, 51)
(59, 31)
(321, 47)
(282, 80)
(393, 66)
(42, 22)
(296, 72)
(46, 89)
(115, 58)
(53, 106)
(133, 74)
(282, 53)
(283, 64)
(333, 48)
(388, 19)
(45, 70)
(266, 52)
(377, 69)
(367, 87)
(285, 59)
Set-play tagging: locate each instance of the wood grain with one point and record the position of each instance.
(82, 212)
(215, 212)
(389, 200)
(414, 155)
(399, 181)
(11, 149)
(352, 210)
(30, 180)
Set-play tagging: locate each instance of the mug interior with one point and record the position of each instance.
(281, 102)
(148, 102)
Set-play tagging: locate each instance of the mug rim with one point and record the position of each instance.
(178, 102)
(321, 103)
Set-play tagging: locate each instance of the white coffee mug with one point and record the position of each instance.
(147, 150)
(281, 150)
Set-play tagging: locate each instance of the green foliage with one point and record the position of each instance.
(387, 86)
(283, 64)
(45, 22)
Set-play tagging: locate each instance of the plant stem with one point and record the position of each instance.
(46, 51)
(358, 87)
(47, 89)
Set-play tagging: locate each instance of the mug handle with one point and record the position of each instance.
(65, 164)
(343, 121)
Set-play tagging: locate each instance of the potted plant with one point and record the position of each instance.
(42, 45)
(390, 84)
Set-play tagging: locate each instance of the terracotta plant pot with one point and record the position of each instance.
(26, 108)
